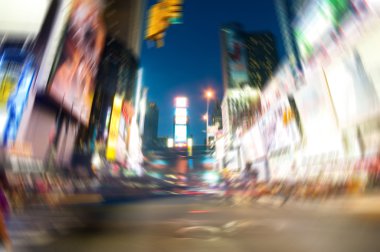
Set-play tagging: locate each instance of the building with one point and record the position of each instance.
(58, 102)
(116, 75)
(109, 132)
(150, 137)
(287, 11)
(216, 116)
(240, 108)
(124, 21)
(248, 59)
(262, 57)
(234, 56)
(56, 112)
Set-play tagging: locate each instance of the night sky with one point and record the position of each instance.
(190, 60)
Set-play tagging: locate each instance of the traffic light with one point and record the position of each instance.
(157, 24)
(161, 15)
(174, 11)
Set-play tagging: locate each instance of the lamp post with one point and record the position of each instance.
(209, 95)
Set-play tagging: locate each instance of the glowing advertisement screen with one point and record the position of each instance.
(22, 18)
(352, 81)
(180, 120)
(72, 84)
(16, 78)
(275, 132)
(181, 102)
(113, 135)
(180, 112)
(237, 59)
(180, 133)
(316, 113)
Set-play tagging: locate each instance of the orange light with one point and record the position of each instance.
(204, 117)
(209, 94)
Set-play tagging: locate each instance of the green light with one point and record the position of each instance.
(177, 20)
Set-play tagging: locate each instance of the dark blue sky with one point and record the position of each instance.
(190, 61)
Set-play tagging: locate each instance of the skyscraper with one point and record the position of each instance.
(262, 57)
(151, 125)
(248, 59)
(234, 56)
(286, 13)
(124, 20)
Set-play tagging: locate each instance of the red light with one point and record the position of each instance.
(180, 145)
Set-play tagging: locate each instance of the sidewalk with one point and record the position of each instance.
(366, 203)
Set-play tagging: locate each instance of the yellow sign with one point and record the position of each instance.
(114, 128)
(287, 116)
(7, 87)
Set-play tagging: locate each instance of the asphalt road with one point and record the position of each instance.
(205, 224)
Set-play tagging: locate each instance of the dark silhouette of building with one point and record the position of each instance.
(248, 59)
(262, 57)
(151, 126)
(287, 11)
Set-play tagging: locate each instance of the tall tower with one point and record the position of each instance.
(151, 125)
(286, 13)
(262, 57)
(124, 20)
(248, 59)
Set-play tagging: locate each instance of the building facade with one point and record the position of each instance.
(124, 21)
(150, 136)
(248, 59)
(262, 58)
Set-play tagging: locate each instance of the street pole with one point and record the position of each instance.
(208, 101)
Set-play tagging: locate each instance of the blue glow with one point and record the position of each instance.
(208, 160)
(180, 112)
(159, 162)
(180, 133)
(23, 74)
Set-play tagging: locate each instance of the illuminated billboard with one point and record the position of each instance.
(236, 59)
(180, 116)
(22, 18)
(16, 78)
(72, 83)
(180, 119)
(113, 135)
(319, 124)
(352, 80)
(180, 133)
(180, 112)
(320, 24)
(181, 102)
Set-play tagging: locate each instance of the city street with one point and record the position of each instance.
(209, 224)
(186, 126)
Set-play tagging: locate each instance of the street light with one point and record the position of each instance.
(209, 95)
